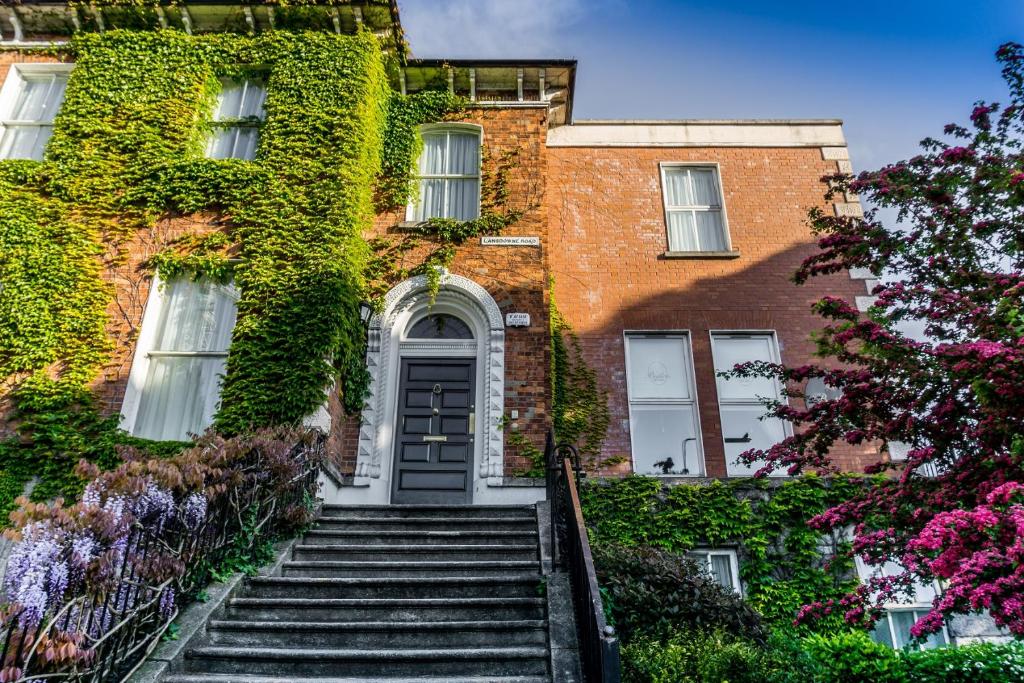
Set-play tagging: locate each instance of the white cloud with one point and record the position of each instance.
(489, 28)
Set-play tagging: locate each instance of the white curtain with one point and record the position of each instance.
(187, 360)
(694, 210)
(721, 570)
(38, 101)
(445, 191)
(242, 100)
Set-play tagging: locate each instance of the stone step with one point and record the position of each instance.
(427, 537)
(456, 553)
(373, 635)
(425, 511)
(423, 569)
(387, 609)
(310, 662)
(509, 586)
(232, 678)
(426, 523)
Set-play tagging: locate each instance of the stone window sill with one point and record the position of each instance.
(701, 254)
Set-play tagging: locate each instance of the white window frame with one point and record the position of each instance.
(866, 571)
(700, 468)
(145, 350)
(410, 209)
(776, 358)
(16, 75)
(666, 166)
(235, 124)
(734, 564)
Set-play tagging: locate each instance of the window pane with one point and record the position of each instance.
(677, 187)
(32, 100)
(245, 143)
(440, 327)
(682, 231)
(901, 623)
(24, 142)
(179, 398)
(881, 634)
(731, 350)
(743, 430)
(705, 189)
(721, 570)
(229, 101)
(222, 142)
(659, 435)
(463, 199)
(710, 231)
(658, 368)
(433, 155)
(464, 154)
(431, 200)
(197, 316)
(252, 101)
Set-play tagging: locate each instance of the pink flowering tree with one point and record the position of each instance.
(954, 509)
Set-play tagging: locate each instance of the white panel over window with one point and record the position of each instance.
(182, 383)
(31, 98)
(693, 209)
(721, 565)
(744, 425)
(662, 406)
(449, 175)
(893, 629)
(236, 121)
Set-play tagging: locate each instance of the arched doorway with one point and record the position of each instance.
(431, 427)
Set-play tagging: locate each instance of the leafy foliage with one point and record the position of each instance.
(954, 395)
(580, 412)
(783, 563)
(655, 593)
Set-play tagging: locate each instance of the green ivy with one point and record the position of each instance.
(579, 406)
(127, 150)
(781, 559)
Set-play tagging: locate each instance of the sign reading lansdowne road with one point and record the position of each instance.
(498, 241)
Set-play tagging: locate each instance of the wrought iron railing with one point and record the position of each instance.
(570, 547)
(112, 629)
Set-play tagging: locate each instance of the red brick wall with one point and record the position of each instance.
(515, 276)
(609, 235)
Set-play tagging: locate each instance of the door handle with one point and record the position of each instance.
(435, 438)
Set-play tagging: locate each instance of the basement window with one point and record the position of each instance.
(720, 564)
(694, 212)
(29, 101)
(236, 123)
(174, 388)
(893, 628)
(448, 174)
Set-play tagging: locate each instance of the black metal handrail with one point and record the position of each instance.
(116, 628)
(570, 548)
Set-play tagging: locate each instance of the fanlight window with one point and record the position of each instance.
(439, 326)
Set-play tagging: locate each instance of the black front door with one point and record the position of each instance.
(434, 435)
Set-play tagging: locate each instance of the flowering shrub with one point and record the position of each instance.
(89, 584)
(954, 510)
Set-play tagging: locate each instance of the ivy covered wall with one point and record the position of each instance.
(126, 158)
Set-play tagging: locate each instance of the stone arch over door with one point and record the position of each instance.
(468, 301)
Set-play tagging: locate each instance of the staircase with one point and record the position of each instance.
(389, 594)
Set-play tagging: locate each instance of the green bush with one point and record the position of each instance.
(714, 658)
(649, 592)
(854, 658)
(978, 663)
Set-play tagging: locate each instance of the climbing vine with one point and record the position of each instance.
(579, 406)
(127, 152)
(784, 564)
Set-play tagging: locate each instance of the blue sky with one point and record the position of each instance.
(894, 71)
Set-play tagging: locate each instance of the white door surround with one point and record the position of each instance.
(387, 344)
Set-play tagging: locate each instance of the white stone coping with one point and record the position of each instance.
(701, 133)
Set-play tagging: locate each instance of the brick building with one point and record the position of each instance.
(669, 244)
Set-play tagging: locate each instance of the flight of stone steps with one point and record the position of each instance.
(388, 594)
